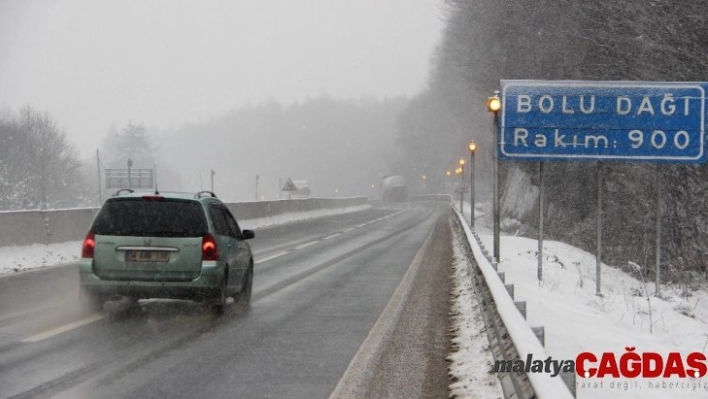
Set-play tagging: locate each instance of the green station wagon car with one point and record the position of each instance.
(166, 245)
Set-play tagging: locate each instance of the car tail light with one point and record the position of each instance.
(89, 245)
(209, 249)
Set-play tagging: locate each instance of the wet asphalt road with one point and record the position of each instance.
(319, 287)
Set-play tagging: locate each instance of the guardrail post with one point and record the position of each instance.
(569, 380)
(521, 306)
(540, 334)
(510, 289)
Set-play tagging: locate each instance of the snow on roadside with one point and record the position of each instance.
(18, 259)
(576, 320)
(291, 217)
(15, 259)
(469, 371)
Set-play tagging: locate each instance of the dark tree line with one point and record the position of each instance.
(485, 41)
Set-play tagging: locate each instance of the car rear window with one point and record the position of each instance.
(146, 218)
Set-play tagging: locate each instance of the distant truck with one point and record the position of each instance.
(393, 189)
(302, 189)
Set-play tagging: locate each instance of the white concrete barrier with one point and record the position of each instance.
(55, 226)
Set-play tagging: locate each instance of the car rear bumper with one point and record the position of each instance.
(204, 286)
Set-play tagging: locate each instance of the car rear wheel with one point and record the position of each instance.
(219, 301)
(243, 299)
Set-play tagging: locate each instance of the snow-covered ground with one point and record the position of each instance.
(576, 320)
(22, 258)
(290, 217)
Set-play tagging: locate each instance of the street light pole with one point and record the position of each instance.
(462, 186)
(257, 177)
(497, 219)
(472, 147)
(130, 163)
(494, 105)
(98, 167)
(212, 180)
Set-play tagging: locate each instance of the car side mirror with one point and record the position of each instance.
(248, 234)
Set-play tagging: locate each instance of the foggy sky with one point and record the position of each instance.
(92, 64)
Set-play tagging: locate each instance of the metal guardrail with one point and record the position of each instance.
(510, 337)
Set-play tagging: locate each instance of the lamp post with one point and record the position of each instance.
(212, 180)
(472, 147)
(130, 163)
(462, 186)
(98, 166)
(494, 106)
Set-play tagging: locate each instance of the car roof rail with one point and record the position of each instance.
(123, 190)
(200, 194)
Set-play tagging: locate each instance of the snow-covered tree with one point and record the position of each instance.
(133, 142)
(38, 166)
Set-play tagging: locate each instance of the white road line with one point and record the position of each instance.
(360, 225)
(332, 236)
(266, 259)
(307, 245)
(62, 329)
(348, 230)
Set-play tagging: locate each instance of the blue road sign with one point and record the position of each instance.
(603, 121)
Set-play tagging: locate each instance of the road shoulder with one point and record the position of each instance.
(408, 358)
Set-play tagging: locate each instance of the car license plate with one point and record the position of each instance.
(147, 256)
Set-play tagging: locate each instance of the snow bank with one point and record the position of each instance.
(576, 320)
(17, 259)
(291, 217)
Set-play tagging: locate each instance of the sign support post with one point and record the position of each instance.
(659, 208)
(598, 249)
(540, 222)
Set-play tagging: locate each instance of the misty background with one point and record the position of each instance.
(241, 87)
(339, 93)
